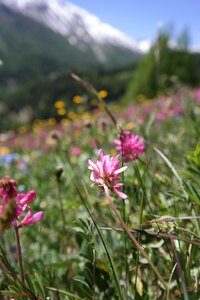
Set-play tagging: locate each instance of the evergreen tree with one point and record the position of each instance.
(157, 70)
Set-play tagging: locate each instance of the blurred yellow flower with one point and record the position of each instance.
(39, 123)
(72, 115)
(103, 94)
(65, 122)
(36, 128)
(73, 159)
(59, 104)
(61, 111)
(51, 121)
(129, 126)
(86, 116)
(78, 99)
(4, 150)
(23, 129)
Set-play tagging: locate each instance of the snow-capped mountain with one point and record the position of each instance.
(79, 26)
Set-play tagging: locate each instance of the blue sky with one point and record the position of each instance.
(139, 18)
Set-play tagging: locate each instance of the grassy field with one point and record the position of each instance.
(86, 246)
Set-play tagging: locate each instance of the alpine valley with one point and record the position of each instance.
(42, 41)
(41, 37)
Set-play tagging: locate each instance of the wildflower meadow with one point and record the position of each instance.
(103, 203)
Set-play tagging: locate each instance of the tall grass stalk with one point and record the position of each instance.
(138, 238)
(61, 203)
(169, 282)
(90, 88)
(174, 171)
(180, 270)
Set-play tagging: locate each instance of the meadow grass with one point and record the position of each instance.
(145, 246)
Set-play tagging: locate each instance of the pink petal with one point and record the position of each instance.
(1, 209)
(37, 216)
(120, 194)
(118, 185)
(120, 170)
(30, 219)
(28, 198)
(100, 153)
(92, 166)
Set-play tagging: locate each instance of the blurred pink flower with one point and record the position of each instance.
(162, 115)
(197, 95)
(177, 110)
(105, 172)
(129, 145)
(75, 151)
(140, 119)
(8, 191)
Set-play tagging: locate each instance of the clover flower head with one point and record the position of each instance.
(8, 189)
(8, 193)
(105, 173)
(129, 145)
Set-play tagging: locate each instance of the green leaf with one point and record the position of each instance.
(73, 296)
(192, 192)
(9, 293)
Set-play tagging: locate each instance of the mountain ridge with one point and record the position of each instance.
(30, 49)
(33, 55)
(78, 25)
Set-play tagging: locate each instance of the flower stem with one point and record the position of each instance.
(180, 270)
(124, 215)
(128, 231)
(89, 87)
(138, 236)
(19, 255)
(61, 206)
